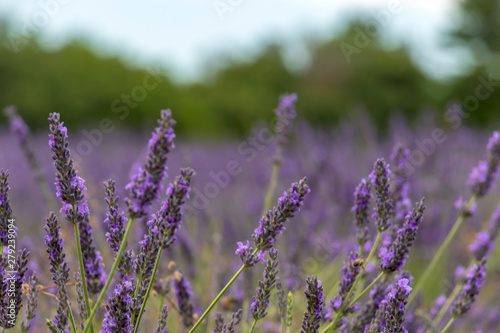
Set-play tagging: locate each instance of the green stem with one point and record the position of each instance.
(150, 285)
(82, 271)
(340, 314)
(253, 326)
(446, 306)
(440, 251)
(448, 325)
(118, 258)
(71, 319)
(218, 297)
(272, 186)
(368, 288)
(136, 293)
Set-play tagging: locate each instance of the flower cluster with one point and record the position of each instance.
(485, 173)
(117, 316)
(470, 290)
(146, 183)
(261, 302)
(315, 300)
(183, 294)
(384, 206)
(349, 273)
(362, 197)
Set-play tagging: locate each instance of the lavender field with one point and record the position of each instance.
(291, 229)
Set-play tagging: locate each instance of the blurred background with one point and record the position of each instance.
(221, 64)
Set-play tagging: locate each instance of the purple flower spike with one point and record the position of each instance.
(17, 124)
(183, 294)
(349, 274)
(395, 307)
(384, 206)
(470, 290)
(146, 184)
(362, 198)
(483, 176)
(162, 322)
(59, 269)
(286, 114)
(262, 301)
(117, 316)
(32, 303)
(366, 314)
(235, 320)
(315, 300)
(485, 240)
(393, 257)
(5, 209)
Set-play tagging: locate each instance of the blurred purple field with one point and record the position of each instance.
(227, 200)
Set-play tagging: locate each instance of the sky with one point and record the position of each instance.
(189, 37)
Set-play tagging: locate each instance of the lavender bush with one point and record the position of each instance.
(359, 251)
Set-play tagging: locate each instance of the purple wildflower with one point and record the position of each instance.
(393, 258)
(17, 124)
(395, 307)
(315, 300)
(235, 320)
(219, 323)
(117, 316)
(183, 294)
(162, 322)
(80, 298)
(273, 223)
(485, 173)
(349, 274)
(280, 294)
(59, 269)
(384, 206)
(70, 190)
(366, 314)
(437, 306)
(362, 198)
(5, 209)
(463, 209)
(32, 303)
(485, 240)
(401, 156)
(145, 185)
(262, 301)
(285, 115)
(14, 289)
(470, 290)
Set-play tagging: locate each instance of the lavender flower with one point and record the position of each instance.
(31, 303)
(362, 197)
(117, 316)
(59, 269)
(463, 208)
(280, 294)
(273, 223)
(395, 307)
(70, 190)
(80, 298)
(485, 173)
(16, 280)
(171, 216)
(145, 185)
(285, 113)
(470, 290)
(366, 314)
(393, 258)
(349, 274)
(5, 209)
(485, 240)
(235, 320)
(437, 306)
(384, 206)
(315, 300)
(115, 221)
(17, 124)
(162, 322)
(261, 301)
(183, 294)
(219, 323)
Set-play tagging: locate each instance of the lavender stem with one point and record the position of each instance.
(82, 269)
(272, 183)
(218, 297)
(253, 326)
(116, 263)
(441, 249)
(448, 325)
(367, 288)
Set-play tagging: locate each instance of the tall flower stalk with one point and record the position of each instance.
(271, 225)
(144, 188)
(481, 180)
